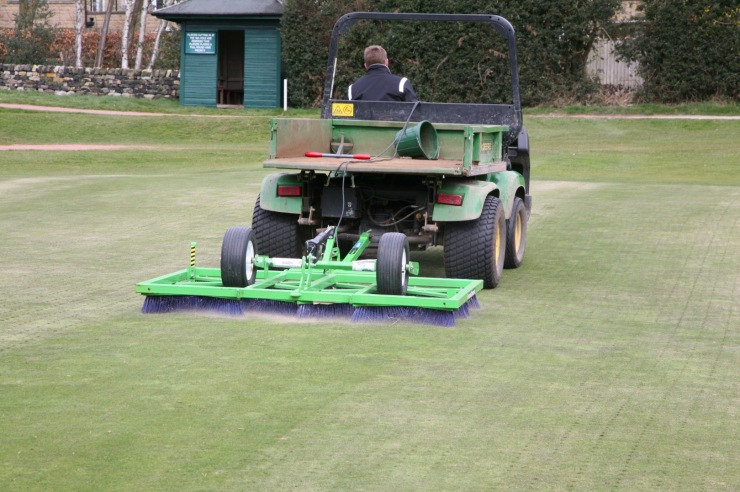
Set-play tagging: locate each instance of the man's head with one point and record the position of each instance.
(375, 55)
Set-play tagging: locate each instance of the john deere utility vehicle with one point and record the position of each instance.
(332, 232)
(452, 175)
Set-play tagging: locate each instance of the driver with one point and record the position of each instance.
(378, 83)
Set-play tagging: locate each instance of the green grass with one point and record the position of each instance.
(173, 107)
(608, 361)
(627, 151)
(62, 128)
(702, 108)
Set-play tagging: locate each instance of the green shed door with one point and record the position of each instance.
(199, 69)
(262, 68)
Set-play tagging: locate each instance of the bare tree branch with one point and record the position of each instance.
(142, 34)
(104, 35)
(162, 26)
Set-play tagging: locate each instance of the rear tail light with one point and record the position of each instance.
(291, 190)
(449, 199)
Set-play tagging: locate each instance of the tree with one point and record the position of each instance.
(103, 35)
(158, 39)
(33, 36)
(79, 25)
(451, 62)
(128, 13)
(142, 34)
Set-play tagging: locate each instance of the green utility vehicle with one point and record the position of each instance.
(457, 176)
(461, 180)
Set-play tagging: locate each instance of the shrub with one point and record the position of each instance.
(688, 50)
(61, 50)
(31, 39)
(169, 50)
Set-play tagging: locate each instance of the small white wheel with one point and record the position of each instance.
(237, 257)
(391, 273)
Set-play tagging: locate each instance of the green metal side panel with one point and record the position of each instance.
(261, 68)
(508, 183)
(474, 193)
(198, 77)
(285, 204)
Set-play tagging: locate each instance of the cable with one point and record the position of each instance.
(395, 140)
(344, 201)
(394, 220)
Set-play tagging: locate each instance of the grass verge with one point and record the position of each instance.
(701, 108)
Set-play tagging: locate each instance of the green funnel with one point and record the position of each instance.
(418, 141)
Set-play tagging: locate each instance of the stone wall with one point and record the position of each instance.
(150, 84)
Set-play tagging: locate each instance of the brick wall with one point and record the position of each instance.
(64, 15)
(149, 84)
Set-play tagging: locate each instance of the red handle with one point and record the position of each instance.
(359, 157)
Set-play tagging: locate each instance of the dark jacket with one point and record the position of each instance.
(379, 84)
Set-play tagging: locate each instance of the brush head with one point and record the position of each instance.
(361, 314)
(227, 307)
(323, 311)
(170, 304)
(376, 314)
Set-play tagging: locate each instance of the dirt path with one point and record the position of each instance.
(76, 147)
(56, 109)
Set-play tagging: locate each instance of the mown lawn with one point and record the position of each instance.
(607, 361)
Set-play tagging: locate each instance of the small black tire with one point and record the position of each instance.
(237, 257)
(278, 234)
(391, 274)
(516, 235)
(476, 249)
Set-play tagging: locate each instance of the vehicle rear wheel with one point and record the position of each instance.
(476, 249)
(516, 235)
(391, 273)
(278, 235)
(237, 257)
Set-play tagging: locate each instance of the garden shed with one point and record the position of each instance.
(229, 53)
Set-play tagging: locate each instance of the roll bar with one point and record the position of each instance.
(504, 114)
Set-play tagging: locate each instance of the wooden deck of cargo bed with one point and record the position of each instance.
(464, 150)
(401, 165)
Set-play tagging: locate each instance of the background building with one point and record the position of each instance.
(64, 13)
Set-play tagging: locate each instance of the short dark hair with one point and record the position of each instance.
(375, 55)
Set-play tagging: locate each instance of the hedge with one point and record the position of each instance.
(688, 50)
(450, 62)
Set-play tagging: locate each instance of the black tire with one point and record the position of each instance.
(476, 249)
(237, 257)
(278, 235)
(391, 273)
(516, 235)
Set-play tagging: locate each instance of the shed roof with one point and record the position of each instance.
(222, 8)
